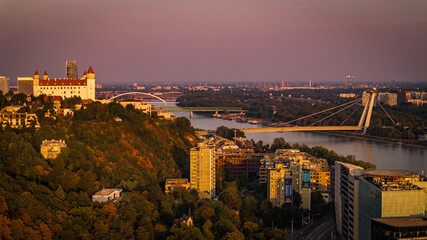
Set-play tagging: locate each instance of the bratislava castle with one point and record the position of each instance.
(66, 88)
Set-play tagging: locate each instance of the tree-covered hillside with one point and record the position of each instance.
(45, 199)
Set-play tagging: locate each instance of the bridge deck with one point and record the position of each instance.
(202, 109)
(296, 129)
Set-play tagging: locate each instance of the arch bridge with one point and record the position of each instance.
(141, 93)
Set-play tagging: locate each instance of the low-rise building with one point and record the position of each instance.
(399, 228)
(176, 184)
(165, 115)
(137, 104)
(185, 219)
(56, 100)
(65, 111)
(107, 194)
(18, 120)
(51, 148)
(348, 95)
(239, 162)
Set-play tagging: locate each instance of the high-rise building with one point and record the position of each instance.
(363, 198)
(388, 98)
(25, 85)
(279, 185)
(71, 70)
(401, 97)
(389, 193)
(4, 84)
(202, 168)
(346, 194)
(65, 88)
(301, 180)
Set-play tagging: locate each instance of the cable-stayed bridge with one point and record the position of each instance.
(363, 125)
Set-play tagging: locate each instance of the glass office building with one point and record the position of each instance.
(388, 193)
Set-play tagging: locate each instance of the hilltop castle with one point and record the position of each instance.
(66, 88)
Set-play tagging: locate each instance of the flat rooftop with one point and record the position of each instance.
(403, 221)
(54, 143)
(388, 173)
(350, 166)
(106, 191)
(177, 181)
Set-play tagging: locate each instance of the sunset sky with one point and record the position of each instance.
(216, 40)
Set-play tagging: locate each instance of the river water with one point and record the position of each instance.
(384, 155)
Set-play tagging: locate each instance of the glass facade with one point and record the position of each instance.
(383, 231)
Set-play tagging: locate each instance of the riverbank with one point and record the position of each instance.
(377, 139)
(268, 123)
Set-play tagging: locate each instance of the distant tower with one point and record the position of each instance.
(71, 70)
(309, 83)
(347, 77)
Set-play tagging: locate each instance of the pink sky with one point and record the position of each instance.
(216, 41)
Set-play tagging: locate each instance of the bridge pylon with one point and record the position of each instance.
(365, 119)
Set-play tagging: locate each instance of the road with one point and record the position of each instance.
(318, 230)
(322, 232)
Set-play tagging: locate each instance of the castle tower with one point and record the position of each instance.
(90, 78)
(36, 75)
(36, 79)
(45, 76)
(84, 75)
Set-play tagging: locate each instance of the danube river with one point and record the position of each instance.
(384, 155)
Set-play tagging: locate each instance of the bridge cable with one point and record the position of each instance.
(385, 112)
(326, 110)
(351, 115)
(332, 114)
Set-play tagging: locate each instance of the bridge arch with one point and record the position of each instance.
(142, 93)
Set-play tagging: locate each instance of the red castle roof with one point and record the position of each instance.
(36, 73)
(63, 82)
(90, 70)
(45, 73)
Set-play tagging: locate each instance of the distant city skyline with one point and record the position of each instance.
(202, 41)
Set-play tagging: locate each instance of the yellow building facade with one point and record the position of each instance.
(279, 185)
(202, 169)
(51, 148)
